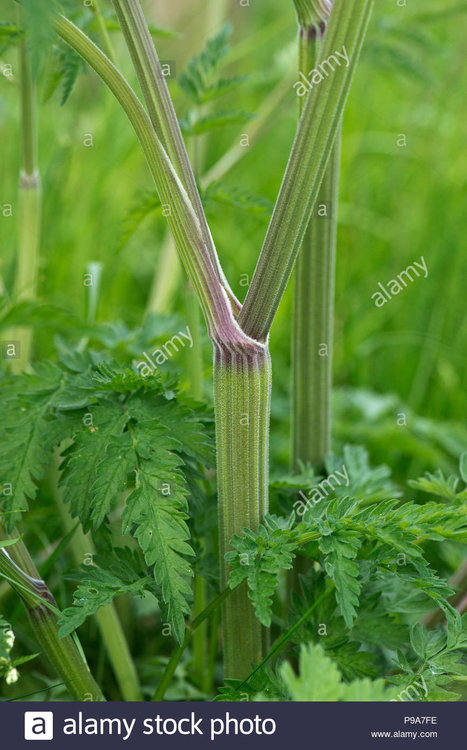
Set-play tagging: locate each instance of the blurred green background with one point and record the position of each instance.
(396, 203)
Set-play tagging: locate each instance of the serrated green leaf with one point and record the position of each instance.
(319, 679)
(340, 550)
(258, 558)
(155, 512)
(83, 459)
(111, 476)
(199, 80)
(27, 436)
(108, 577)
(437, 484)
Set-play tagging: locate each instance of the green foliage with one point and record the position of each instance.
(340, 548)
(107, 577)
(124, 433)
(8, 665)
(9, 34)
(219, 192)
(437, 661)
(319, 679)
(195, 124)
(199, 81)
(202, 83)
(145, 205)
(437, 484)
(259, 558)
(356, 539)
(28, 435)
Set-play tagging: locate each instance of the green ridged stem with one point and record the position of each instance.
(242, 393)
(165, 122)
(29, 206)
(313, 330)
(113, 636)
(42, 613)
(316, 134)
(183, 218)
(313, 318)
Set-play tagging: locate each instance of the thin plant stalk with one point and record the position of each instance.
(113, 637)
(168, 271)
(103, 31)
(192, 628)
(42, 612)
(30, 206)
(312, 335)
(242, 394)
(316, 134)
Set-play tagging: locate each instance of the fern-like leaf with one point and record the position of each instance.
(27, 436)
(155, 513)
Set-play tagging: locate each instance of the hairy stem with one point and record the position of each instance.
(316, 134)
(182, 217)
(164, 119)
(42, 612)
(312, 337)
(242, 391)
(179, 651)
(113, 637)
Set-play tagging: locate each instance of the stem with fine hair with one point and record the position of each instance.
(113, 637)
(242, 393)
(316, 134)
(42, 612)
(190, 631)
(312, 336)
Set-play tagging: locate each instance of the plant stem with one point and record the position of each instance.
(30, 206)
(316, 133)
(312, 338)
(113, 637)
(178, 652)
(242, 391)
(196, 250)
(42, 612)
(105, 37)
(165, 122)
